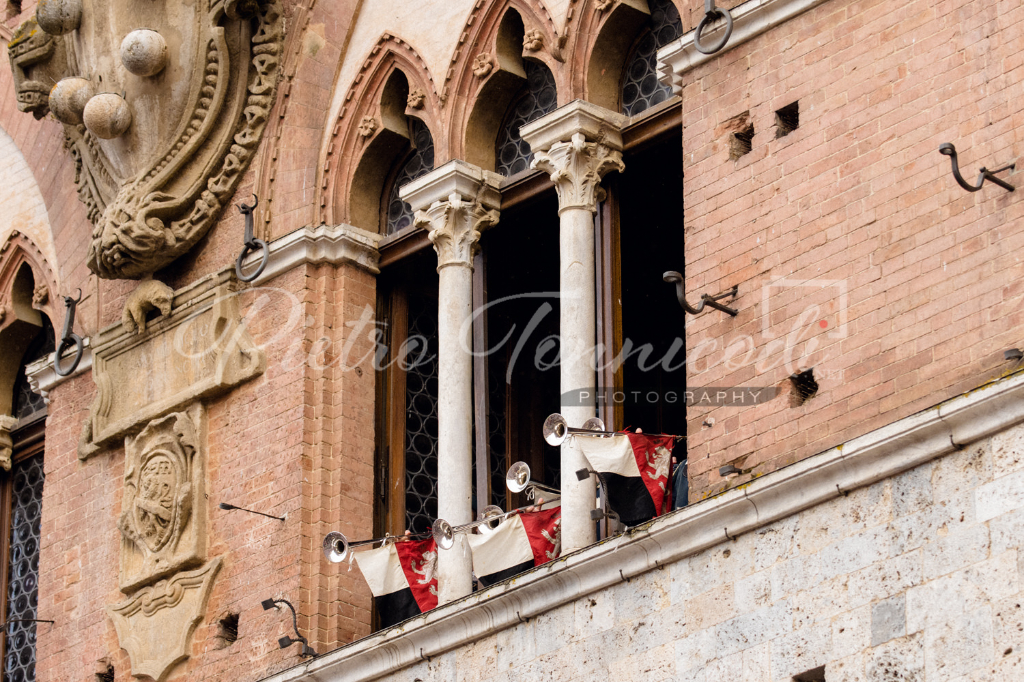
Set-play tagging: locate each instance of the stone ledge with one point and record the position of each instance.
(316, 245)
(42, 377)
(881, 454)
(750, 20)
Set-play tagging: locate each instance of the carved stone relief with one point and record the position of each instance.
(163, 517)
(198, 349)
(198, 83)
(155, 625)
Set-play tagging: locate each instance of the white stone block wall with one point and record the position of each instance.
(915, 578)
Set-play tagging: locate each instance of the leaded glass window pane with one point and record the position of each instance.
(540, 97)
(23, 579)
(641, 89)
(421, 417)
(420, 163)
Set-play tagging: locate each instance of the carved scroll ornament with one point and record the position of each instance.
(192, 128)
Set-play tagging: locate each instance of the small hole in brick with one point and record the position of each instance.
(804, 387)
(741, 142)
(816, 675)
(787, 119)
(106, 674)
(227, 630)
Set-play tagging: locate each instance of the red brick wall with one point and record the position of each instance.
(859, 195)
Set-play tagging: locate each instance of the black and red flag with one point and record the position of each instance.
(518, 544)
(635, 468)
(402, 577)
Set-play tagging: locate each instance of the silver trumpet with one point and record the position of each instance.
(557, 430)
(490, 518)
(518, 479)
(337, 548)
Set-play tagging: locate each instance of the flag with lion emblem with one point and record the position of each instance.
(636, 469)
(402, 577)
(518, 544)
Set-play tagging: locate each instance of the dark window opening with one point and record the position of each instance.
(106, 675)
(787, 119)
(804, 387)
(538, 98)
(641, 88)
(741, 142)
(816, 675)
(420, 161)
(29, 405)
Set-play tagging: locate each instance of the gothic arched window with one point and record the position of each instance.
(539, 97)
(641, 89)
(420, 162)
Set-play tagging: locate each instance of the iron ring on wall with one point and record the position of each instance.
(250, 247)
(74, 340)
(705, 22)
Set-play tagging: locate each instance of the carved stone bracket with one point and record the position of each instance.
(156, 624)
(454, 203)
(199, 350)
(163, 516)
(7, 425)
(577, 145)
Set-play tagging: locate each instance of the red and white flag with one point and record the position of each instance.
(636, 469)
(402, 577)
(518, 544)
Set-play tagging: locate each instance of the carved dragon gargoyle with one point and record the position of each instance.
(160, 145)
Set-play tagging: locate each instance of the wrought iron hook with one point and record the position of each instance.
(673, 277)
(286, 641)
(69, 338)
(984, 174)
(251, 243)
(710, 14)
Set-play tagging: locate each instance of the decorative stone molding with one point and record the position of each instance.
(41, 295)
(323, 244)
(750, 19)
(577, 145)
(367, 126)
(43, 378)
(416, 99)
(533, 40)
(201, 349)
(163, 516)
(155, 626)
(7, 425)
(602, 5)
(483, 64)
(875, 456)
(152, 196)
(454, 203)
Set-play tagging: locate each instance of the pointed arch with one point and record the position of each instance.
(487, 72)
(369, 131)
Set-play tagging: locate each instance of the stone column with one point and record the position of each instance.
(577, 145)
(454, 203)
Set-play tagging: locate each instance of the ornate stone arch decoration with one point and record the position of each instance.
(372, 131)
(161, 131)
(608, 30)
(28, 290)
(486, 72)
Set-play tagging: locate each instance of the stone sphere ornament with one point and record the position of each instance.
(107, 116)
(144, 52)
(68, 99)
(58, 17)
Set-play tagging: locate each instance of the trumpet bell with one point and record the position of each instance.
(556, 429)
(491, 518)
(444, 534)
(336, 547)
(518, 476)
(594, 424)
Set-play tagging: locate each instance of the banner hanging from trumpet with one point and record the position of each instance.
(636, 469)
(519, 543)
(402, 577)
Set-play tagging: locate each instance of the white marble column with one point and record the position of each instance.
(577, 145)
(454, 203)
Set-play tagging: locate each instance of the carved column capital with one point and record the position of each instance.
(454, 228)
(7, 425)
(454, 203)
(577, 145)
(577, 167)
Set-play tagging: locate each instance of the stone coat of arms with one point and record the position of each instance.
(163, 106)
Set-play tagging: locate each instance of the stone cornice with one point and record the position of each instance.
(595, 123)
(42, 377)
(750, 20)
(316, 245)
(880, 454)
